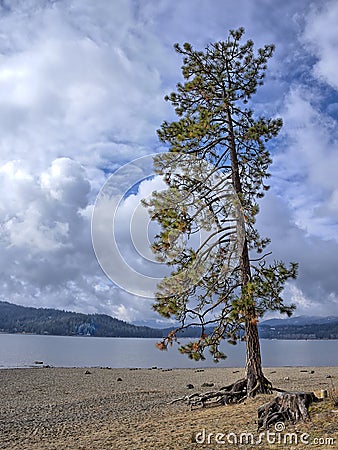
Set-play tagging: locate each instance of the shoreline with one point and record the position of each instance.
(146, 338)
(164, 369)
(104, 408)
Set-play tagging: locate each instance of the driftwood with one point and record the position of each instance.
(286, 407)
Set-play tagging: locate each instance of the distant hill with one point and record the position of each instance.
(300, 320)
(301, 327)
(298, 327)
(161, 323)
(22, 319)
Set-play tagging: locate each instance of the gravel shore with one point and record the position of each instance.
(102, 408)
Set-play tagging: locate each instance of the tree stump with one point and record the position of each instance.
(286, 407)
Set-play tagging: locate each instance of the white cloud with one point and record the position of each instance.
(306, 170)
(64, 181)
(42, 224)
(321, 35)
(81, 92)
(71, 84)
(122, 231)
(316, 286)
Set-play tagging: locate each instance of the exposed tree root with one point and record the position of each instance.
(233, 393)
(286, 407)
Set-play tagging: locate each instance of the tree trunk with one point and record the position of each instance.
(256, 382)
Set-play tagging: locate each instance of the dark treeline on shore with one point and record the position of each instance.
(312, 331)
(21, 319)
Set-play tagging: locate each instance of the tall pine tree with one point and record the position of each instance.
(217, 142)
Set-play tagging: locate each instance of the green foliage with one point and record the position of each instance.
(210, 285)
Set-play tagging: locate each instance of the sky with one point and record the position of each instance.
(81, 97)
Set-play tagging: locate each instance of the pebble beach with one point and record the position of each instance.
(103, 408)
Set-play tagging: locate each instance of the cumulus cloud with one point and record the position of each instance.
(81, 93)
(47, 254)
(41, 226)
(121, 238)
(321, 36)
(316, 288)
(305, 170)
(69, 85)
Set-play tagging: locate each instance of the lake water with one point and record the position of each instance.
(17, 350)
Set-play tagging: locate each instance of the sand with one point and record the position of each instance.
(102, 408)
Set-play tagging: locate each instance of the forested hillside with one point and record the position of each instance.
(312, 331)
(20, 319)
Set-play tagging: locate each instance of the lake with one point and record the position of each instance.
(17, 350)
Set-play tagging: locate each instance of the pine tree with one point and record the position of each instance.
(216, 170)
